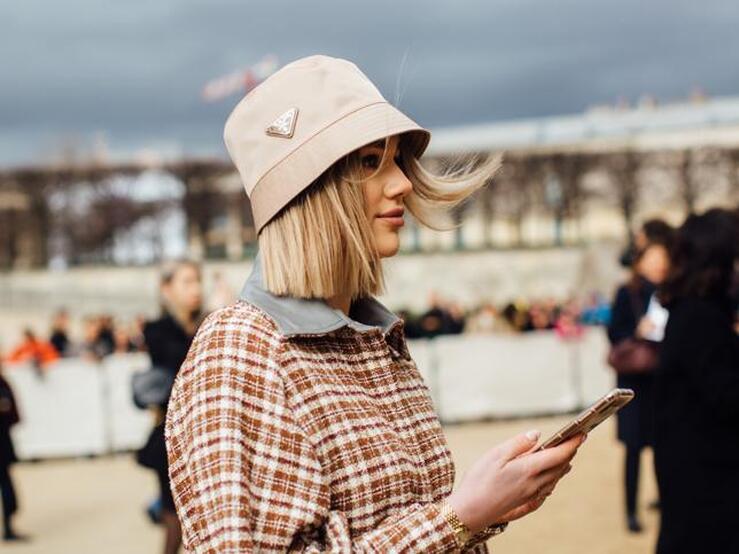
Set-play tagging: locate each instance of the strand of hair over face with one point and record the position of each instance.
(434, 195)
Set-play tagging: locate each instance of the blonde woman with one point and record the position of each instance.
(299, 421)
(168, 340)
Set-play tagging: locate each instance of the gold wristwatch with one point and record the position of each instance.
(462, 533)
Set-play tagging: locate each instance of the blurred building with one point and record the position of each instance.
(565, 180)
(588, 177)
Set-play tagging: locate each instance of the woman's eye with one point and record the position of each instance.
(371, 161)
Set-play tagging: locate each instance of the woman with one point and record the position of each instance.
(652, 230)
(629, 321)
(8, 418)
(299, 421)
(696, 446)
(168, 340)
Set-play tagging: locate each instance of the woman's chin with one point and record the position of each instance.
(388, 247)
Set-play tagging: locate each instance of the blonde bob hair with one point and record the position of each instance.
(321, 244)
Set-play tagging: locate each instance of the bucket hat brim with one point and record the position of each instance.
(327, 146)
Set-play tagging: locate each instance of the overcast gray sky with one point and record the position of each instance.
(133, 69)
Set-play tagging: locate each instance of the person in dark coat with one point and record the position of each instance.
(634, 421)
(168, 340)
(8, 417)
(59, 333)
(442, 318)
(696, 390)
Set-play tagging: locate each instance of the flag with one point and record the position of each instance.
(242, 80)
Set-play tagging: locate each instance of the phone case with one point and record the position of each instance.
(591, 417)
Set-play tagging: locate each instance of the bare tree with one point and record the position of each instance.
(623, 168)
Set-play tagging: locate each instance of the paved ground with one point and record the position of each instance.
(93, 506)
(584, 515)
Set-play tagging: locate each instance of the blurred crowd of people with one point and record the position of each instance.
(445, 317)
(101, 336)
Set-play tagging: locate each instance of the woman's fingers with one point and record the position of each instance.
(545, 482)
(555, 456)
(542, 487)
(520, 444)
(530, 505)
(511, 475)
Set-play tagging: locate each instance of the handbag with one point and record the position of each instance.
(152, 387)
(633, 356)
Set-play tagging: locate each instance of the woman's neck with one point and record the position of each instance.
(341, 302)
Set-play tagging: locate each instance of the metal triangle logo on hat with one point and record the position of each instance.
(284, 126)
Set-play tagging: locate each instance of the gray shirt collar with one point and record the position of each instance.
(298, 316)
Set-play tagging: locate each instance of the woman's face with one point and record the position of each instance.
(184, 292)
(654, 264)
(384, 194)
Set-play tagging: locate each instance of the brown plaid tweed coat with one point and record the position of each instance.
(294, 428)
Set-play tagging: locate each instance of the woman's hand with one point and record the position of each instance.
(510, 481)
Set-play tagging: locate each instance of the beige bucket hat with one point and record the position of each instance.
(293, 126)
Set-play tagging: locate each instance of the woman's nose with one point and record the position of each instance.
(398, 184)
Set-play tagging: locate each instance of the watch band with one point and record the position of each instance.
(461, 531)
(462, 534)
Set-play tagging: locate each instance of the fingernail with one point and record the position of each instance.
(533, 435)
(584, 438)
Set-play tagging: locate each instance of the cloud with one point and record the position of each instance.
(134, 69)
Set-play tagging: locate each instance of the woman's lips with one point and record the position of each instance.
(396, 221)
(393, 217)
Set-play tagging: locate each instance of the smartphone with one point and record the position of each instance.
(590, 417)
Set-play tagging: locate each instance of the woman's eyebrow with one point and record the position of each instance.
(380, 144)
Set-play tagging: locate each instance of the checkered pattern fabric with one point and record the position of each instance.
(308, 443)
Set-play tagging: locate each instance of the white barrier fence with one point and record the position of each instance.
(476, 377)
(78, 408)
(81, 408)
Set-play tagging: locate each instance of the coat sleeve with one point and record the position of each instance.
(622, 321)
(245, 476)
